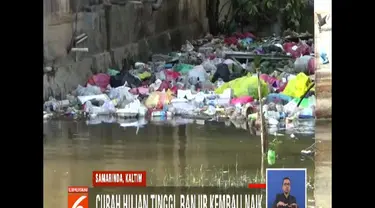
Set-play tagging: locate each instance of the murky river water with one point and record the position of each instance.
(192, 154)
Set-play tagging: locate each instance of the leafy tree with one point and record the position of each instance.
(287, 12)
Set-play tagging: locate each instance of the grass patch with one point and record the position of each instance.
(199, 177)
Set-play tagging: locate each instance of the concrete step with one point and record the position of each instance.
(323, 88)
(323, 91)
(323, 107)
(323, 74)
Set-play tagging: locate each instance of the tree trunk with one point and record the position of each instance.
(277, 26)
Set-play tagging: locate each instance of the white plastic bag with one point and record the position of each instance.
(132, 109)
(197, 74)
(89, 90)
(105, 109)
(121, 94)
(290, 108)
(209, 66)
(84, 99)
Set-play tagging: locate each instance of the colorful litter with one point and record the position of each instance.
(215, 80)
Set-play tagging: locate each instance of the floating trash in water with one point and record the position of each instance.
(278, 134)
(310, 150)
(306, 152)
(271, 157)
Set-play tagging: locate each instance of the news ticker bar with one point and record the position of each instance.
(132, 179)
(101, 197)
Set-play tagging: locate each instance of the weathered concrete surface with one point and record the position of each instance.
(323, 131)
(324, 72)
(324, 92)
(323, 165)
(121, 31)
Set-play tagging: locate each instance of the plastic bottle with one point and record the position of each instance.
(272, 114)
(271, 157)
(161, 114)
(308, 112)
(55, 105)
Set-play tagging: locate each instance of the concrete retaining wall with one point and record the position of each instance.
(323, 39)
(132, 30)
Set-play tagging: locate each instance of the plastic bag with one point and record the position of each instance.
(245, 42)
(158, 66)
(106, 108)
(183, 68)
(305, 64)
(298, 86)
(231, 41)
(274, 82)
(197, 74)
(160, 75)
(158, 100)
(311, 66)
(206, 50)
(144, 75)
(297, 50)
(164, 85)
(112, 72)
(101, 80)
(244, 35)
(242, 100)
(290, 108)
(183, 108)
(306, 102)
(187, 47)
(88, 90)
(109, 106)
(301, 126)
(307, 113)
(132, 109)
(171, 75)
(120, 94)
(247, 85)
(278, 98)
(209, 66)
(84, 99)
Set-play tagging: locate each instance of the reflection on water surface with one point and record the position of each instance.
(215, 153)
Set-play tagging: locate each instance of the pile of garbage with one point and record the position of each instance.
(210, 78)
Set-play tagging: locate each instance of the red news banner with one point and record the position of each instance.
(119, 178)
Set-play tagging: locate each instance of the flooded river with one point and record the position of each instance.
(215, 154)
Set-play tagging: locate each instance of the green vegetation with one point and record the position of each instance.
(220, 177)
(286, 12)
(273, 145)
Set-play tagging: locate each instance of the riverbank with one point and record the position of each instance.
(111, 34)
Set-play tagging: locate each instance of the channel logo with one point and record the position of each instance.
(78, 197)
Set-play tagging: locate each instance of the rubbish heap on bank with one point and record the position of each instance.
(210, 79)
